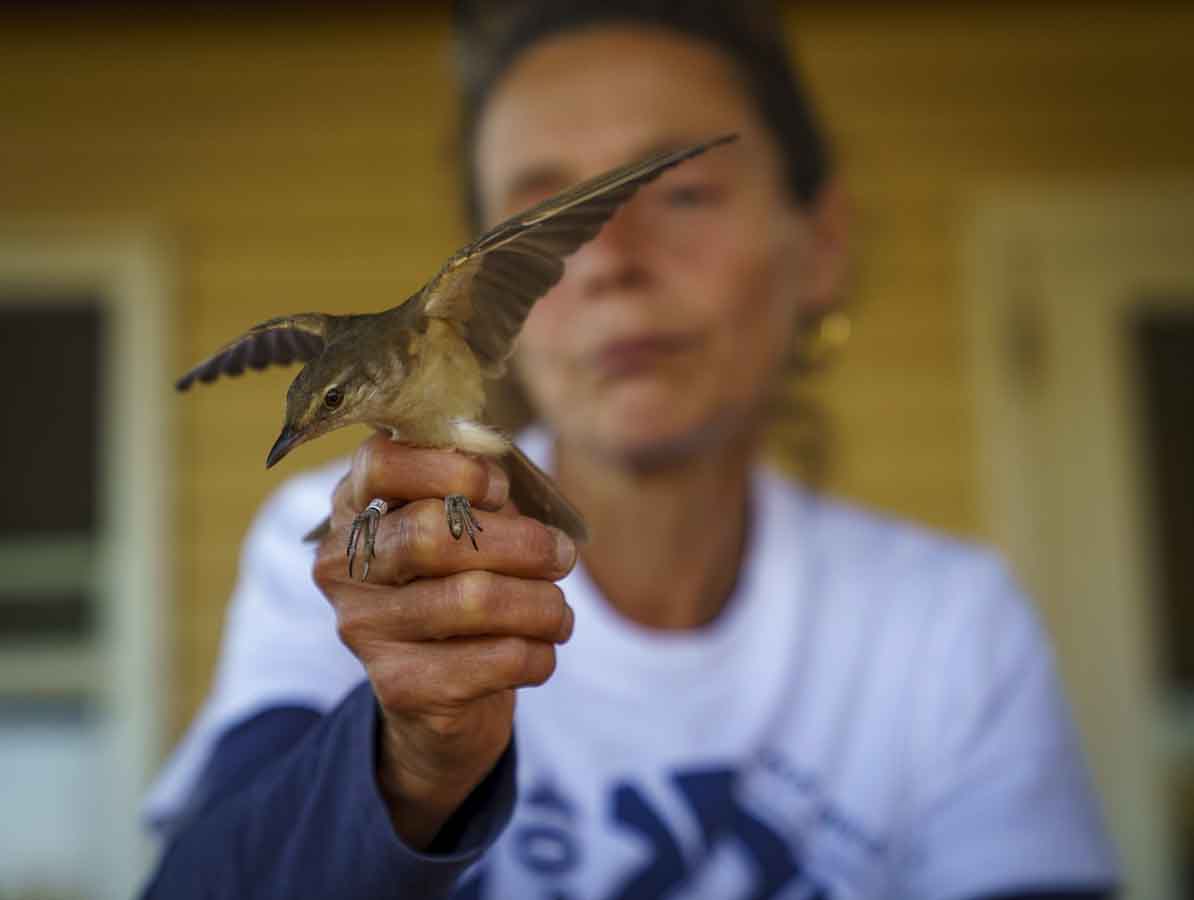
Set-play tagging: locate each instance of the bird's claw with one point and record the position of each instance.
(461, 519)
(366, 523)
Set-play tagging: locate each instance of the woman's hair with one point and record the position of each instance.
(492, 34)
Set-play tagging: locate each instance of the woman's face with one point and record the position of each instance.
(667, 331)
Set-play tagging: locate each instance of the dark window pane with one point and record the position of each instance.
(1165, 351)
(61, 616)
(50, 368)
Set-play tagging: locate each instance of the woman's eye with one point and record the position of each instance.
(690, 195)
(332, 398)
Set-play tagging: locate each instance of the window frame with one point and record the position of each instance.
(123, 670)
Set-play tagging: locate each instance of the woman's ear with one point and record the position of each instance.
(828, 259)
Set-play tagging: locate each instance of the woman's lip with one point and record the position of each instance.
(628, 356)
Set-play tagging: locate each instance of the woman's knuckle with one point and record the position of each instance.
(521, 540)
(447, 727)
(540, 663)
(415, 537)
(537, 542)
(539, 545)
(406, 680)
(518, 658)
(476, 591)
(471, 478)
(525, 661)
(556, 606)
(394, 692)
(454, 692)
(352, 626)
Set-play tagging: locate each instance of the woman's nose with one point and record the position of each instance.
(616, 259)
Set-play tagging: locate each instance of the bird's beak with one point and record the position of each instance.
(287, 441)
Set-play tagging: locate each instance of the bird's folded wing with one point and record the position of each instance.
(536, 495)
(279, 341)
(490, 285)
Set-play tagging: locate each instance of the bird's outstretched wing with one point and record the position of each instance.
(279, 342)
(490, 286)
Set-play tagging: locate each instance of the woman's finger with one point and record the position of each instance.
(397, 472)
(469, 604)
(414, 541)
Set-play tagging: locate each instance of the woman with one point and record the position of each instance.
(764, 692)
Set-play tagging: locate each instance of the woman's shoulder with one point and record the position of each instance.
(874, 556)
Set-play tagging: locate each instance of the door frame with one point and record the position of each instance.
(1052, 273)
(126, 268)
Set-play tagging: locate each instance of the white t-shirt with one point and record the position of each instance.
(875, 714)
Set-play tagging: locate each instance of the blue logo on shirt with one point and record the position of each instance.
(549, 847)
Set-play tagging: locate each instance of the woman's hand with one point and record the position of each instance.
(445, 632)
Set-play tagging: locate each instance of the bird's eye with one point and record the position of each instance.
(332, 398)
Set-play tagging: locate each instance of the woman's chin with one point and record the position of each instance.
(650, 424)
(655, 441)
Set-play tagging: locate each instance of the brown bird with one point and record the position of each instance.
(416, 371)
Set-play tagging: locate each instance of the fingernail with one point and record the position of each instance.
(568, 623)
(498, 488)
(565, 550)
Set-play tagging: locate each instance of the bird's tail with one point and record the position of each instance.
(537, 496)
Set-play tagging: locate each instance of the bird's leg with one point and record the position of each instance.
(461, 518)
(365, 523)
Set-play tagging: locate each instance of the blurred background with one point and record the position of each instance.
(1019, 364)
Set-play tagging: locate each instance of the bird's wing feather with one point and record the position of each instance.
(490, 286)
(278, 341)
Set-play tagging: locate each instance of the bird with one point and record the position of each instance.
(417, 370)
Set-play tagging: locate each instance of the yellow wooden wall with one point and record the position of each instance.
(299, 161)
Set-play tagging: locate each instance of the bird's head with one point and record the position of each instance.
(328, 393)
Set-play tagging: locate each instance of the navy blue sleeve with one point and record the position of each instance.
(289, 808)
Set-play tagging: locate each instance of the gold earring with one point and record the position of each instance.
(820, 340)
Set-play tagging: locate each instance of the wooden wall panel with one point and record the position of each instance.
(929, 103)
(300, 161)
